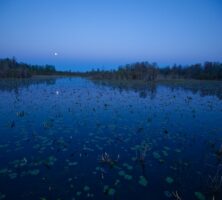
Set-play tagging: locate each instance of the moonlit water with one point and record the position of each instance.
(70, 138)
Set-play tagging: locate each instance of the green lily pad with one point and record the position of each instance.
(78, 193)
(13, 175)
(4, 171)
(156, 155)
(143, 181)
(128, 177)
(108, 190)
(121, 173)
(86, 188)
(169, 180)
(199, 196)
(111, 191)
(129, 167)
(33, 172)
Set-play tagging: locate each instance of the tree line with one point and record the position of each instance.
(150, 72)
(135, 71)
(11, 68)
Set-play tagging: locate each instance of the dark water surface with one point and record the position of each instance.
(70, 138)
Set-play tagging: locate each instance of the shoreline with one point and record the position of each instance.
(158, 80)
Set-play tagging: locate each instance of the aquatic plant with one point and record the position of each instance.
(86, 188)
(169, 180)
(106, 159)
(108, 190)
(176, 195)
(215, 182)
(199, 196)
(143, 181)
(141, 154)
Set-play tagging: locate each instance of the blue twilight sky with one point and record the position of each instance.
(107, 33)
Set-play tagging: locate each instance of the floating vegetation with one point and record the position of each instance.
(165, 153)
(178, 150)
(86, 188)
(128, 177)
(78, 193)
(156, 155)
(13, 175)
(72, 163)
(106, 159)
(199, 196)
(176, 195)
(127, 166)
(49, 162)
(3, 171)
(68, 146)
(121, 173)
(2, 146)
(215, 181)
(108, 190)
(33, 172)
(20, 163)
(125, 175)
(143, 181)
(169, 180)
(48, 124)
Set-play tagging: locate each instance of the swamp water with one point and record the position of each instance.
(70, 139)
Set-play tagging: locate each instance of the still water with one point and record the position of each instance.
(71, 138)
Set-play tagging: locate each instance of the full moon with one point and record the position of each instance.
(55, 54)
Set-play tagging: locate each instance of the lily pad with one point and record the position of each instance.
(78, 193)
(86, 188)
(111, 191)
(3, 171)
(143, 181)
(34, 172)
(199, 196)
(121, 173)
(13, 175)
(108, 190)
(156, 155)
(128, 177)
(169, 180)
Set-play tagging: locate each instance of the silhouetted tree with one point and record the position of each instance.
(11, 68)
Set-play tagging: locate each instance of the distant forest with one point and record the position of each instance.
(10, 68)
(137, 71)
(150, 72)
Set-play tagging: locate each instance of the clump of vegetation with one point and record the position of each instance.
(215, 181)
(206, 71)
(176, 196)
(10, 68)
(136, 71)
(106, 159)
(146, 71)
(142, 71)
